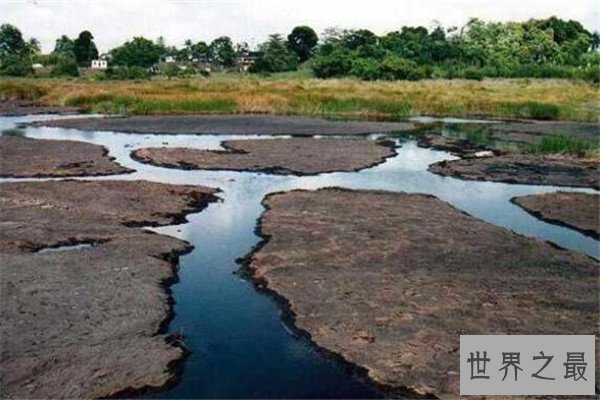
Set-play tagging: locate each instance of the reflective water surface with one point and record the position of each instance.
(241, 346)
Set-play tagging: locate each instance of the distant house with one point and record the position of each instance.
(246, 60)
(169, 59)
(99, 64)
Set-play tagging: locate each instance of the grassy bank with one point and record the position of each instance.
(342, 98)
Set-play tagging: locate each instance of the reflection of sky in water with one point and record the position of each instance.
(240, 348)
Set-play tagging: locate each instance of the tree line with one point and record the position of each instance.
(549, 47)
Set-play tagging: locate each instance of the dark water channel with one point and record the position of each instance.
(241, 346)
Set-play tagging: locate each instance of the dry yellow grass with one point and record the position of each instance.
(341, 98)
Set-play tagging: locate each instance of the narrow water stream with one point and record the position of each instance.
(241, 346)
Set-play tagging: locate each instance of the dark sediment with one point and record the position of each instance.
(460, 147)
(580, 211)
(530, 132)
(389, 281)
(279, 156)
(230, 125)
(88, 322)
(22, 157)
(524, 169)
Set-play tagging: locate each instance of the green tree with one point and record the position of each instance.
(64, 47)
(354, 39)
(302, 40)
(11, 41)
(33, 46)
(275, 56)
(222, 52)
(139, 52)
(200, 50)
(84, 49)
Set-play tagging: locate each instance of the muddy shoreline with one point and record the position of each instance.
(288, 317)
(236, 124)
(295, 156)
(523, 169)
(271, 267)
(578, 211)
(22, 157)
(112, 298)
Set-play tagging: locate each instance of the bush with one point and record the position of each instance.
(473, 74)
(65, 67)
(538, 71)
(169, 70)
(394, 67)
(366, 69)
(591, 74)
(336, 63)
(450, 73)
(14, 65)
(136, 73)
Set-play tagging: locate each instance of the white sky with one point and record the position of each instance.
(112, 22)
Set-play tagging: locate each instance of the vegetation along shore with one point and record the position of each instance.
(483, 69)
(334, 98)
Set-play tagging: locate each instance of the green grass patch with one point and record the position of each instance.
(87, 102)
(530, 110)
(565, 144)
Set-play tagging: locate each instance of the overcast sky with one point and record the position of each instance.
(113, 22)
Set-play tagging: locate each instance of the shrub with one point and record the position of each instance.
(336, 63)
(450, 73)
(591, 74)
(15, 65)
(473, 74)
(136, 73)
(537, 71)
(65, 67)
(169, 70)
(366, 69)
(393, 67)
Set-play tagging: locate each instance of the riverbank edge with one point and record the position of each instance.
(288, 316)
(261, 285)
(175, 367)
(268, 170)
(554, 221)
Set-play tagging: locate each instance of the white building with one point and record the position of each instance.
(99, 64)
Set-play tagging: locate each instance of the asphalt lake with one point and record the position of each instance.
(242, 345)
